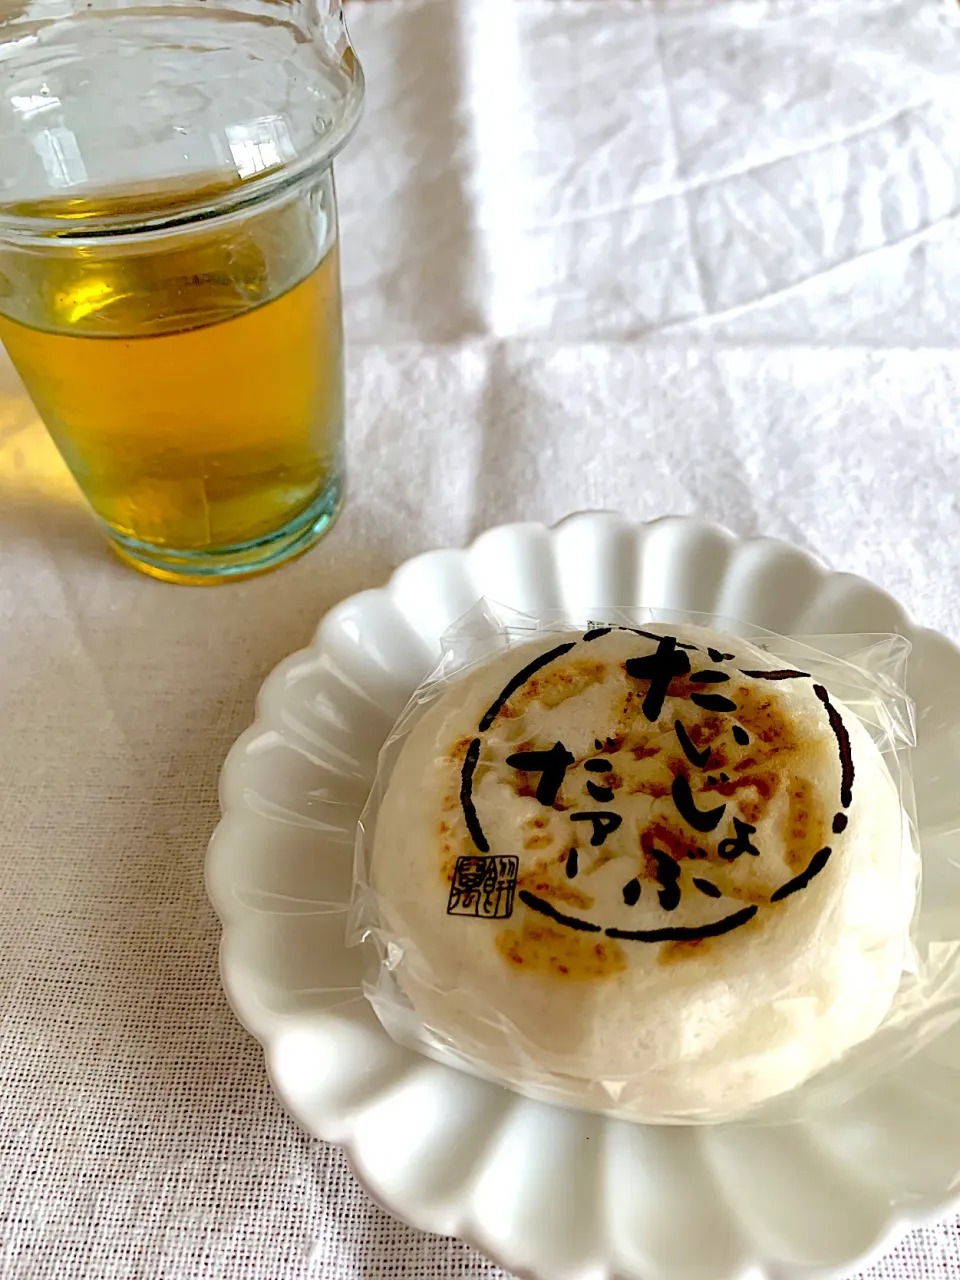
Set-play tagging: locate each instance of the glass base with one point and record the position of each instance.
(245, 559)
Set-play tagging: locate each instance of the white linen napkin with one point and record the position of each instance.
(656, 255)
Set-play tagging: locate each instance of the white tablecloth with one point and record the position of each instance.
(688, 256)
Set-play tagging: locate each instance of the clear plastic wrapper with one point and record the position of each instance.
(654, 865)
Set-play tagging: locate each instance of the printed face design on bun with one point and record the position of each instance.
(697, 751)
(655, 856)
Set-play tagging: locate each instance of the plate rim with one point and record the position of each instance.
(901, 1220)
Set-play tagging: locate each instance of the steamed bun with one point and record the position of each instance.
(643, 872)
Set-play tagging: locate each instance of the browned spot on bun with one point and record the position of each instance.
(753, 893)
(539, 841)
(644, 751)
(554, 685)
(704, 732)
(751, 810)
(631, 711)
(676, 952)
(539, 880)
(760, 715)
(765, 784)
(667, 840)
(523, 784)
(803, 830)
(459, 749)
(650, 787)
(560, 953)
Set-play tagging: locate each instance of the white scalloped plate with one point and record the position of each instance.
(552, 1193)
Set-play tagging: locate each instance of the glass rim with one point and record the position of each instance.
(205, 203)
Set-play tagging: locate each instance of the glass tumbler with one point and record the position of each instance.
(169, 278)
